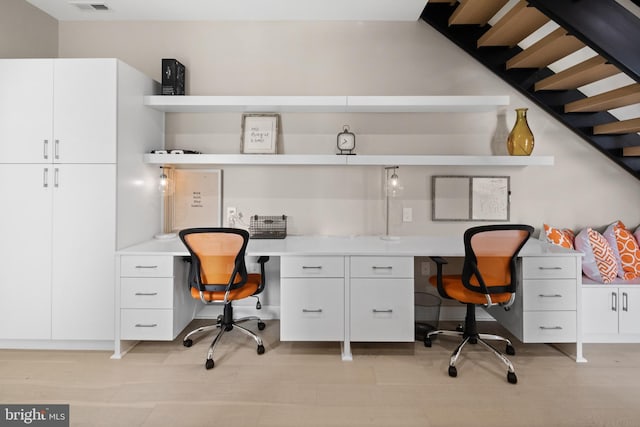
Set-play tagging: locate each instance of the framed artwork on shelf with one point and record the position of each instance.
(470, 198)
(197, 198)
(259, 134)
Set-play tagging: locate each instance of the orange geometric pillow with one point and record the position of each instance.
(560, 237)
(598, 262)
(626, 250)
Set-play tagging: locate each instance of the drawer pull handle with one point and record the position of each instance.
(306, 310)
(146, 266)
(312, 267)
(375, 267)
(375, 310)
(142, 325)
(549, 268)
(546, 328)
(146, 294)
(550, 295)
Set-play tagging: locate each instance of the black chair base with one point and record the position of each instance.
(469, 334)
(225, 323)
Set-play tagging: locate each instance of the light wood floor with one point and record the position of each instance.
(306, 384)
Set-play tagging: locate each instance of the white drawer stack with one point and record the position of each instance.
(312, 298)
(381, 298)
(154, 303)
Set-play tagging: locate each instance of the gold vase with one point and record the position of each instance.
(520, 140)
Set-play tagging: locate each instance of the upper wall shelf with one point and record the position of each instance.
(325, 104)
(332, 159)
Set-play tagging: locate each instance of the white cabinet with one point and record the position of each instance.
(154, 303)
(312, 298)
(611, 313)
(381, 299)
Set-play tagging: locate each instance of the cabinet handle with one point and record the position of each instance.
(56, 149)
(549, 268)
(146, 294)
(550, 295)
(375, 267)
(142, 325)
(46, 149)
(375, 310)
(614, 301)
(56, 174)
(547, 328)
(306, 310)
(625, 302)
(146, 266)
(312, 267)
(45, 178)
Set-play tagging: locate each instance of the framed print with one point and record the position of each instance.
(259, 133)
(470, 198)
(197, 199)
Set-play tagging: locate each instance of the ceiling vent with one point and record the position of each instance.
(90, 5)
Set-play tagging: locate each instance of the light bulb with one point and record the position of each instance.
(165, 183)
(394, 186)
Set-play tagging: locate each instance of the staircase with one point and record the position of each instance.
(577, 59)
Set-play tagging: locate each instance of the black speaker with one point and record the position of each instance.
(173, 73)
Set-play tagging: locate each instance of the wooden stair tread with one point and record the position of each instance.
(547, 50)
(631, 151)
(616, 98)
(514, 26)
(475, 12)
(589, 71)
(621, 127)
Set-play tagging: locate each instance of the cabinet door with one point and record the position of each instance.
(26, 117)
(84, 120)
(25, 250)
(599, 310)
(83, 252)
(629, 308)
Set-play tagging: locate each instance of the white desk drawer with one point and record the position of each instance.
(382, 310)
(146, 292)
(312, 266)
(552, 294)
(548, 267)
(141, 324)
(381, 266)
(549, 326)
(311, 309)
(146, 266)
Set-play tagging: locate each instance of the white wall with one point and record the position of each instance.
(355, 58)
(26, 32)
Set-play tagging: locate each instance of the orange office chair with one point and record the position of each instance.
(489, 277)
(218, 274)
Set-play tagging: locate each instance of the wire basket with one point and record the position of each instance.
(268, 227)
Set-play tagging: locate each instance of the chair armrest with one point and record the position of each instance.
(262, 260)
(439, 284)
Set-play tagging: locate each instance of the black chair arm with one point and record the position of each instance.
(262, 260)
(439, 263)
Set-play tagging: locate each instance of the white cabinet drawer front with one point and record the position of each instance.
(146, 292)
(141, 324)
(548, 267)
(382, 266)
(382, 310)
(558, 294)
(549, 326)
(312, 266)
(146, 266)
(311, 309)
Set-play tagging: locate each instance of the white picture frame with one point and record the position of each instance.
(259, 134)
(197, 199)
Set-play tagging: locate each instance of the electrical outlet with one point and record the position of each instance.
(425, 268)
(231, 216)
(407, 214)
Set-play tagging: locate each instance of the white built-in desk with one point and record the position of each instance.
(346, 289)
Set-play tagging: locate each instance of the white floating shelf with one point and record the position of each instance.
(324, 104)
(357, 160)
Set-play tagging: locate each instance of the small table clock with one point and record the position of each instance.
(346, 141)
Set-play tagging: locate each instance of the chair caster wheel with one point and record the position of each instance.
(459, 328)
(511, 377)
(261, 326)
(453, 372)
(209, 364)
(188, 342)
(260, 349)
(473, 340)
(510, 350)
(427, 342)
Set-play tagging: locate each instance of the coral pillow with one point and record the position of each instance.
(598, 263)
(625, 249)
(560, 237)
